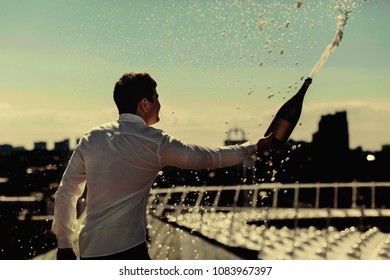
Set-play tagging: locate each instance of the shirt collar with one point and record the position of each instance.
(127, 117)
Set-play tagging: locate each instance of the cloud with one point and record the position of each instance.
(5, 109)
(24, 127)
(367, 120)
(368, 124)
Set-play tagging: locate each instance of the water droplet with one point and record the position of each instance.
(262, 25)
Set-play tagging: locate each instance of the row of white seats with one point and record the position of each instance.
(232, 229)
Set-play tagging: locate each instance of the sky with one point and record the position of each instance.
(219, 65)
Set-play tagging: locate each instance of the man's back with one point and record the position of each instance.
(121, 162)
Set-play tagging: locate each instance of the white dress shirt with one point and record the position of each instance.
(120, 161)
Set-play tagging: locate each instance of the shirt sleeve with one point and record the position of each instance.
(70, 189)
(176, 153)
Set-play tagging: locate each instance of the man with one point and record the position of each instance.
(119, 161)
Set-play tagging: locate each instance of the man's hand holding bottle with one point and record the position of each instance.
(267, 143)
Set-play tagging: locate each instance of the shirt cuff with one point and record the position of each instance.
(64, 242)
(251, 148)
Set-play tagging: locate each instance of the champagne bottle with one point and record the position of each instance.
(288, 115)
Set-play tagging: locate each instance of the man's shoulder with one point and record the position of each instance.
(143, 131)
(103, 127)
(99, 129)
(152, 133)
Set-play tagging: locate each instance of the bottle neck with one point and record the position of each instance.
(302, 91)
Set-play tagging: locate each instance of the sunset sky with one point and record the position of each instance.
(218, 64)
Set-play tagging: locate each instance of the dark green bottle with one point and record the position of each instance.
(288, 115)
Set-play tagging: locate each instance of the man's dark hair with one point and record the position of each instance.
(131, 89)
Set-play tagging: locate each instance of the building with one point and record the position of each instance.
(332, 135)
(40, 146)
(330, 148)
(62, 146)
(6, 148)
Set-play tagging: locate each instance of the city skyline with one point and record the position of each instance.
(236, 134)
(218, 65)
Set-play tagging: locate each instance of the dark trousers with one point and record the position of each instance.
(139, 252)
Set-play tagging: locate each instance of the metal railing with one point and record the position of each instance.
(352, 195)
(256, 208)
